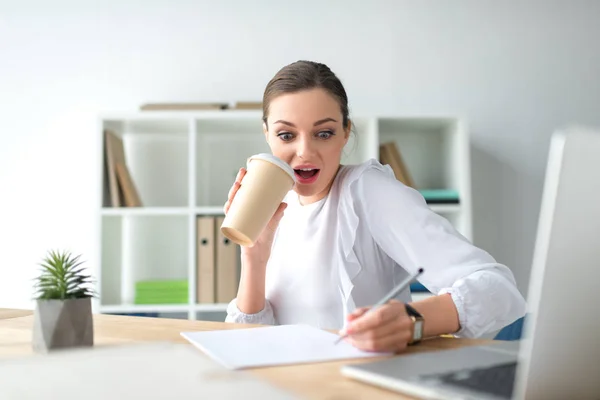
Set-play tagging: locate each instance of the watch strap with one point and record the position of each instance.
(418, 322)
(410, 310)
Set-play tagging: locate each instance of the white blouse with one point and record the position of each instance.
(352, 247)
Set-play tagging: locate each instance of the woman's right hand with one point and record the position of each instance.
(261, 250)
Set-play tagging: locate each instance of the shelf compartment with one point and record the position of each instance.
(222, 148)
(159, 169)
(434, 150)
(156, 155)
(141, 247)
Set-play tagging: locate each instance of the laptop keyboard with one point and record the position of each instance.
(498, 380)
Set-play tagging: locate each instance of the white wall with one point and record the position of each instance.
(516, 69)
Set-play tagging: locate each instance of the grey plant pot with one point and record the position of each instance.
(60, 324)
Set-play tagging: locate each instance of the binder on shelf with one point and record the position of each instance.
(226, 266)
(205, 259)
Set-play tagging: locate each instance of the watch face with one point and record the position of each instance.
(418, 330)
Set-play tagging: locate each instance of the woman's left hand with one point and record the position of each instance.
(386, 329)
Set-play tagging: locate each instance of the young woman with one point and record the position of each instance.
(347, 234)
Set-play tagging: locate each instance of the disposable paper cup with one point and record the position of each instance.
(268, 179)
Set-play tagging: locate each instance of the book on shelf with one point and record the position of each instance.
(121, 188)
(390, 154)
(130, 193)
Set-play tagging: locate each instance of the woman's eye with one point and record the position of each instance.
(285, 136)
(325, 134)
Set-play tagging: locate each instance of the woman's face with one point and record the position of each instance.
(305, 129)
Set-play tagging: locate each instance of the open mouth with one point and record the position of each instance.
(306, 175)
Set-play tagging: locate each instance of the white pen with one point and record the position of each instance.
(393, 293)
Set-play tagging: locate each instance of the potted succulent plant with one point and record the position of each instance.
(63, 312)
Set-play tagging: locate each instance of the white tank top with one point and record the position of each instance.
(302, 280)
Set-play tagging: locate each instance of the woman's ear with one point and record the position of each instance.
(347, 130)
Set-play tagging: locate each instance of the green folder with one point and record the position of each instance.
(166, 300)
(161, 293)
(167, 291)
(181, 284)
(161, 290)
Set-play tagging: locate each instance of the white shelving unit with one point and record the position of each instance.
(183, 164)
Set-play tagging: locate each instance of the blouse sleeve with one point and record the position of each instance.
(408, 231)
(264, 316)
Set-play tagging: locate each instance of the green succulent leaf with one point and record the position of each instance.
(62, 277)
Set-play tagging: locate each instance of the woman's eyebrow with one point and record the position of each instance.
(322, 121)
(280, 121)
(319, 122)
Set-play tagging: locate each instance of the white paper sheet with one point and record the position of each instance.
(273, 345)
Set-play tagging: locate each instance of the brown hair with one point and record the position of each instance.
(304, 75)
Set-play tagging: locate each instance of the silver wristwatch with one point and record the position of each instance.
(418, 324)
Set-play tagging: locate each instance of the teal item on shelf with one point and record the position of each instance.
(448, 196)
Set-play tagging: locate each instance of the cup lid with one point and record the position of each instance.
(275, 160)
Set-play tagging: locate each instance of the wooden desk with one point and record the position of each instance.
(6, 313)
(312, 381)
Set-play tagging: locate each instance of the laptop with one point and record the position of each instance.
(558, 356)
